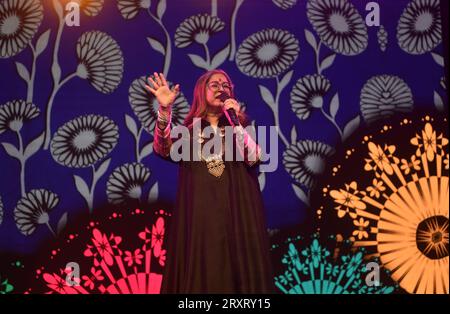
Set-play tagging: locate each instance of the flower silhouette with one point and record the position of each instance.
(197, 28)
(100, 61)
(347, 199)
(14, 113)
(339, 25)
(419, 29)
(384, 96)
(429, 143)
(19, 22)
(33, 209)
(267, 53)
(126, 182)
(305, 161)
(130, 8)
(361, 224)
(308, 94)
(83, 141)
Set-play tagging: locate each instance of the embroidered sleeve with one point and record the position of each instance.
(247, 146)
(162, 141)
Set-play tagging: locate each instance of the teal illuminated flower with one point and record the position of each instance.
(315, 253)
(317, 271)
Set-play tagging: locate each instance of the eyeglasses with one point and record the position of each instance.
(214, 86)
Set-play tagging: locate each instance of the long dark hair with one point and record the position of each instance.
(199, 104)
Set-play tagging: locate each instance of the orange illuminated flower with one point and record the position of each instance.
(362, 225)
(347, 200)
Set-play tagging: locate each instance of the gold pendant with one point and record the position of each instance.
(215, 165)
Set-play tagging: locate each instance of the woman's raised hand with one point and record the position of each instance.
(160, 89)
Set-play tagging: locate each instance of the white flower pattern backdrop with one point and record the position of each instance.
(313, 68)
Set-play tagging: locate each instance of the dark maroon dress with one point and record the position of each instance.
(217, 241)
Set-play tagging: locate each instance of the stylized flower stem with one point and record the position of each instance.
(168, 50)
(333, 122)
(138, 139)
(56, 72)
(208, 57)
(30, 83)
(22, 165)
(50, 228)
(90, 201)
(317, 52)
(57, 85)
(233, 30)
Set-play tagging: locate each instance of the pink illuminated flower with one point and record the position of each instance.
(96, 275)
(158, 236)
(58, 284)
(134, 258)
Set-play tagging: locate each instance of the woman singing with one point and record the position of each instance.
(218, 241)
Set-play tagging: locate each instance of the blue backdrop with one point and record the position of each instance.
(76, 124)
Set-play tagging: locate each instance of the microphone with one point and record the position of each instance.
(230, 111)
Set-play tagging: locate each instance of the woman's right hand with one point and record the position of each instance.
(160, 89)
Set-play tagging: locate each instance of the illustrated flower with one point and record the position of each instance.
(315, 253)
(158, 230)
(384, 96)
(348, 199)
(380, 157)
(429, 143)
(100, 61)
(339, 25)
(308, 94)
(305, 161)
(292, 257)
(376, 188)
(83, 141)
(126, 182)
(362, 224)
(58, 284)
(419, 29)
(353, 262)
(267, 53)
(414, 224)
(145, 105)
(32, 210)
(432, 237)
(284, 4)
(91, 7)
(14, 113)
(130, 8)
(89, 281)
(326, 273)
(197, 28)
(19, 22)
(145, 235)
(133, 258)
(408, 166)
(103, 246)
